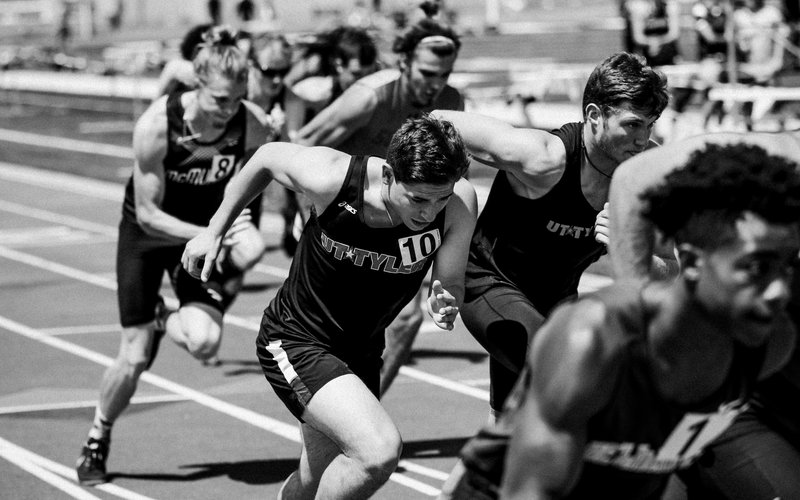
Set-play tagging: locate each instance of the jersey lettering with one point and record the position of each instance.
(365, 258)
(683, 446)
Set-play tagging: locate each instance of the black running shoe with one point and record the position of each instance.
(91, 466)
(160, 328)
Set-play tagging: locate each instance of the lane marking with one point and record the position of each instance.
(16, 456)
(74, 145)
(277, 427)
(73, 405)
(47, 470)
(81, 329)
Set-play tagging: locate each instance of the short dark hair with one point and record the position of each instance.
(407, 43)
(625, 77)
(700, 202)
(350, 42)
(427, 150)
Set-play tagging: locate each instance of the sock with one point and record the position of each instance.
(101, 427)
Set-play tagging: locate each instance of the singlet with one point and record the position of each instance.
(195, 173)
(638, 438)
(348, 281)
(392, 110)
(541, 245)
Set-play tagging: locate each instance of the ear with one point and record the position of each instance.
(690, 260)
(593, 114)
(387, 174)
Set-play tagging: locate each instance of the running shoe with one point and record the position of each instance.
(91, 465)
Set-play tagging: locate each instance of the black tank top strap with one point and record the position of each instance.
(352, 190)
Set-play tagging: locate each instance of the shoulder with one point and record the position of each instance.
(464, 202)
(153, 122)
(378, 79)
(314, 89)
(573, 363)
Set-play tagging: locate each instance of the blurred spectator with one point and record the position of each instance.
(710, 23)
(761, 36)
(214, 11)
(178, 74)
(655, 27)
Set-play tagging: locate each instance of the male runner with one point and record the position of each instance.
(629, 384)
(759, 455)
(187, 147)
(376, 228)
(543, 223)
(364, 118)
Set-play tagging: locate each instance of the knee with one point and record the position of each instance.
(380, 459)
(205, 347)
(132, 364)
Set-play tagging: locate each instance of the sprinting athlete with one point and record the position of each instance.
(377, 226)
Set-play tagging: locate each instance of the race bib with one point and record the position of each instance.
(222, 166)
(418, 247)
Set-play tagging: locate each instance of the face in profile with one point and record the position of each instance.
(427, 75)
(623, 132)
(747, 278)
(220, 97)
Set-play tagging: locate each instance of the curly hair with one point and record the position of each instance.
(427, 150)
(700, 202)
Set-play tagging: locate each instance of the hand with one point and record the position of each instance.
(442, 306)
(601, 226)
(200, 254)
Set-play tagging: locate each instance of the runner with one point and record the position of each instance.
(376, 228)
(626, 385)
(544, 222)
(759, 456)
(187, 147)
(363, 119)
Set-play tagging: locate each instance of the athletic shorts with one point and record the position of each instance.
(141, 263)
(297, 368)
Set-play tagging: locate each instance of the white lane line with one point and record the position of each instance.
(61, 182)
(81, 329)
(445, 383)
(282, 429)
(50, 467)
(66, 220)
(74, 145)
(72, 405)
(16, 456)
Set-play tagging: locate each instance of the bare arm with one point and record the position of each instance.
(150, 149)
(314, 172)
(450, 262)
(632, 242)
(570, 380)
(334, 124)
(535, 157)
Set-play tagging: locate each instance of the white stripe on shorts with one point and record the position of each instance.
(279, 355)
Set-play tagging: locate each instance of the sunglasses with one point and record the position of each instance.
(273, 72)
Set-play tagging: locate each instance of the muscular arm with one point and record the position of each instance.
(632, 241)
(334, 124)
(534, 157)
(150, 149)
(570, 374)
(450, 262)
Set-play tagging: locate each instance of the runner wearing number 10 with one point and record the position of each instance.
(376, 227)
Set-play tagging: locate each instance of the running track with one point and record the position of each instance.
(192, 431)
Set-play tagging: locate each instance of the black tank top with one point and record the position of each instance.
(541, 246)
(638, 438)
(195, 173)
(347, 280)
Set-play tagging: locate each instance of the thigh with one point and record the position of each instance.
(140, 269)
(503, 320)
(350, 415)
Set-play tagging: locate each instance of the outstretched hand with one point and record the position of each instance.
(202, 251)
(442, 306)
